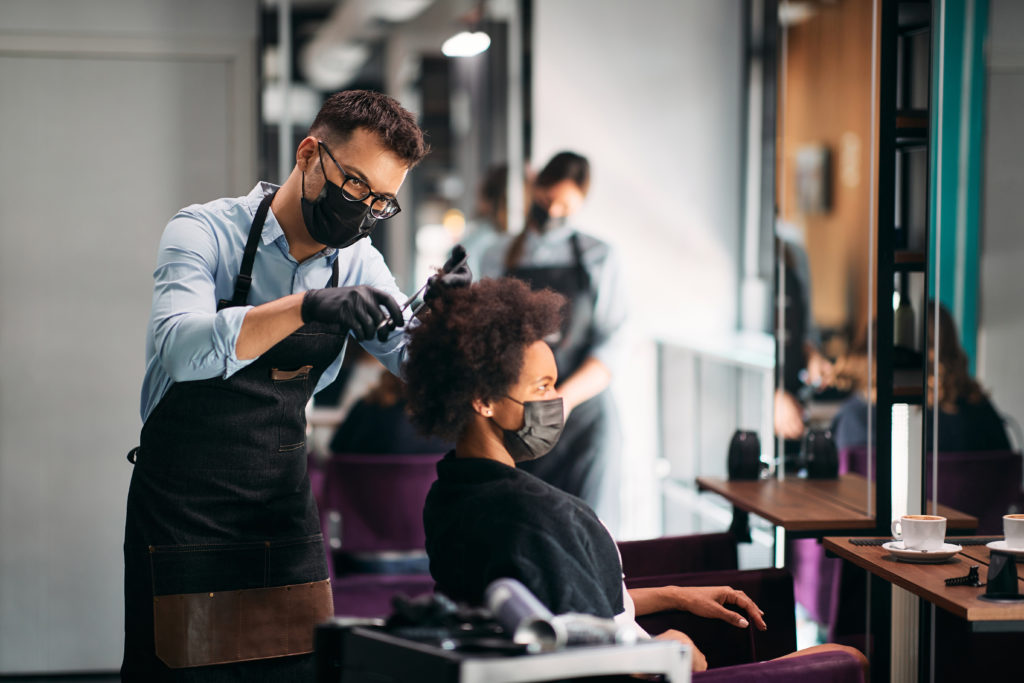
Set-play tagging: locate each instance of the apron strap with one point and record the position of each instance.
(581, 272)
(244, 281)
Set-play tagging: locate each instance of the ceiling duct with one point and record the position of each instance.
(340, 47)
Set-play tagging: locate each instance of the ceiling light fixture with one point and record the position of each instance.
(466, 44)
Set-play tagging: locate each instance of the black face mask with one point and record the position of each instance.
(540, 219)
(542, 426)
(332, 219)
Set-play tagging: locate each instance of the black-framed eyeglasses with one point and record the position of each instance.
(357, 190)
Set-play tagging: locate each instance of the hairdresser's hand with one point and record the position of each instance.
(454, 273)
(710, 601)
(821, 373)
(357, 308)
(789, 415)
(697, 660)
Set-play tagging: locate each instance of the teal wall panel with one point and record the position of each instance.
(957, 142)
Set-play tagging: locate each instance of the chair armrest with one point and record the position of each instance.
(724, 644)
(825, 667)
(678, 554)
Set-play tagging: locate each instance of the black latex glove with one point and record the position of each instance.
(454, 273)
(357, 308)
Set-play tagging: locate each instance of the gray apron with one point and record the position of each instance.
(578, 461)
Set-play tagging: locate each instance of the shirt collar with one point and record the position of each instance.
(560, 234)
(272, 231)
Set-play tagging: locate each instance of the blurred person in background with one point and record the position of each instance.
(968, 421)
(491, 221)
(806, 370)
(379, 423)
(552, 252)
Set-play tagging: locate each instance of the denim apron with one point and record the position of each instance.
(225, 571)
(578, 461)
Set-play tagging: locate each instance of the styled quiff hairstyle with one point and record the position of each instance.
(469, 346)
(345, 111)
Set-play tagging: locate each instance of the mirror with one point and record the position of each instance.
(974, 398)
(823, 240)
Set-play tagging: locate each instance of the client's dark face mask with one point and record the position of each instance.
(540, 219)
(542, 426)
(332, 219)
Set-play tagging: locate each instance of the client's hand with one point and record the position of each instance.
(709, 601)
(697, 660)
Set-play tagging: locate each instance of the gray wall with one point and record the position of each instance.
(114, 114)
(651, 91)
(1001, 315)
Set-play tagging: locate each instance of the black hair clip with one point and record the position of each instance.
(972, 579)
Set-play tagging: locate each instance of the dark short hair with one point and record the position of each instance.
(345, 111)
(565, 166)
(471, 346)
(494, 186)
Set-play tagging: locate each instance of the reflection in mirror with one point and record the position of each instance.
(823, 226)
(970, 460)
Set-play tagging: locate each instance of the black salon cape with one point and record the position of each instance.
(485, 520)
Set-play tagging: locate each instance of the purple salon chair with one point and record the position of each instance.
(985, 484)
(735, 655)
(823, 667)
(372, 517)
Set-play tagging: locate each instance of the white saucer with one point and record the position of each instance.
(1001, 546)
(947, 551)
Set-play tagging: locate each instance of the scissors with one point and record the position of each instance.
(448, 267)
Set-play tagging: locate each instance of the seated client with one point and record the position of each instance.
(479, 373)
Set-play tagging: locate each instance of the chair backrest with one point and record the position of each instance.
(379, 498)
(986, 484)
(678, 554)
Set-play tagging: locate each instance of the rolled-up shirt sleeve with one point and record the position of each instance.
(190, 337)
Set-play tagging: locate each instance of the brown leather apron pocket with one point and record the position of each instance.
(200, 629)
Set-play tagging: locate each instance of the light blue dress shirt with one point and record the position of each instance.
(197, 265)
(554, 248)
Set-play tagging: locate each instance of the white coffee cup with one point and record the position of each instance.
(921, 532)
(1013, 529)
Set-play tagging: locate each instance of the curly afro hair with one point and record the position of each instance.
(470, 345)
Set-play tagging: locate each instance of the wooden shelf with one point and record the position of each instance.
(909, 261)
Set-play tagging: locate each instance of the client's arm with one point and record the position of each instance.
(704, 601)
(698, 662)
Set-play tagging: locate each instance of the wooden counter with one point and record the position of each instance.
(807, 505)
(928, 580)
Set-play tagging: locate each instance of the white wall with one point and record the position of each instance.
(1001, 315)
(114, 114)
(651, 92)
